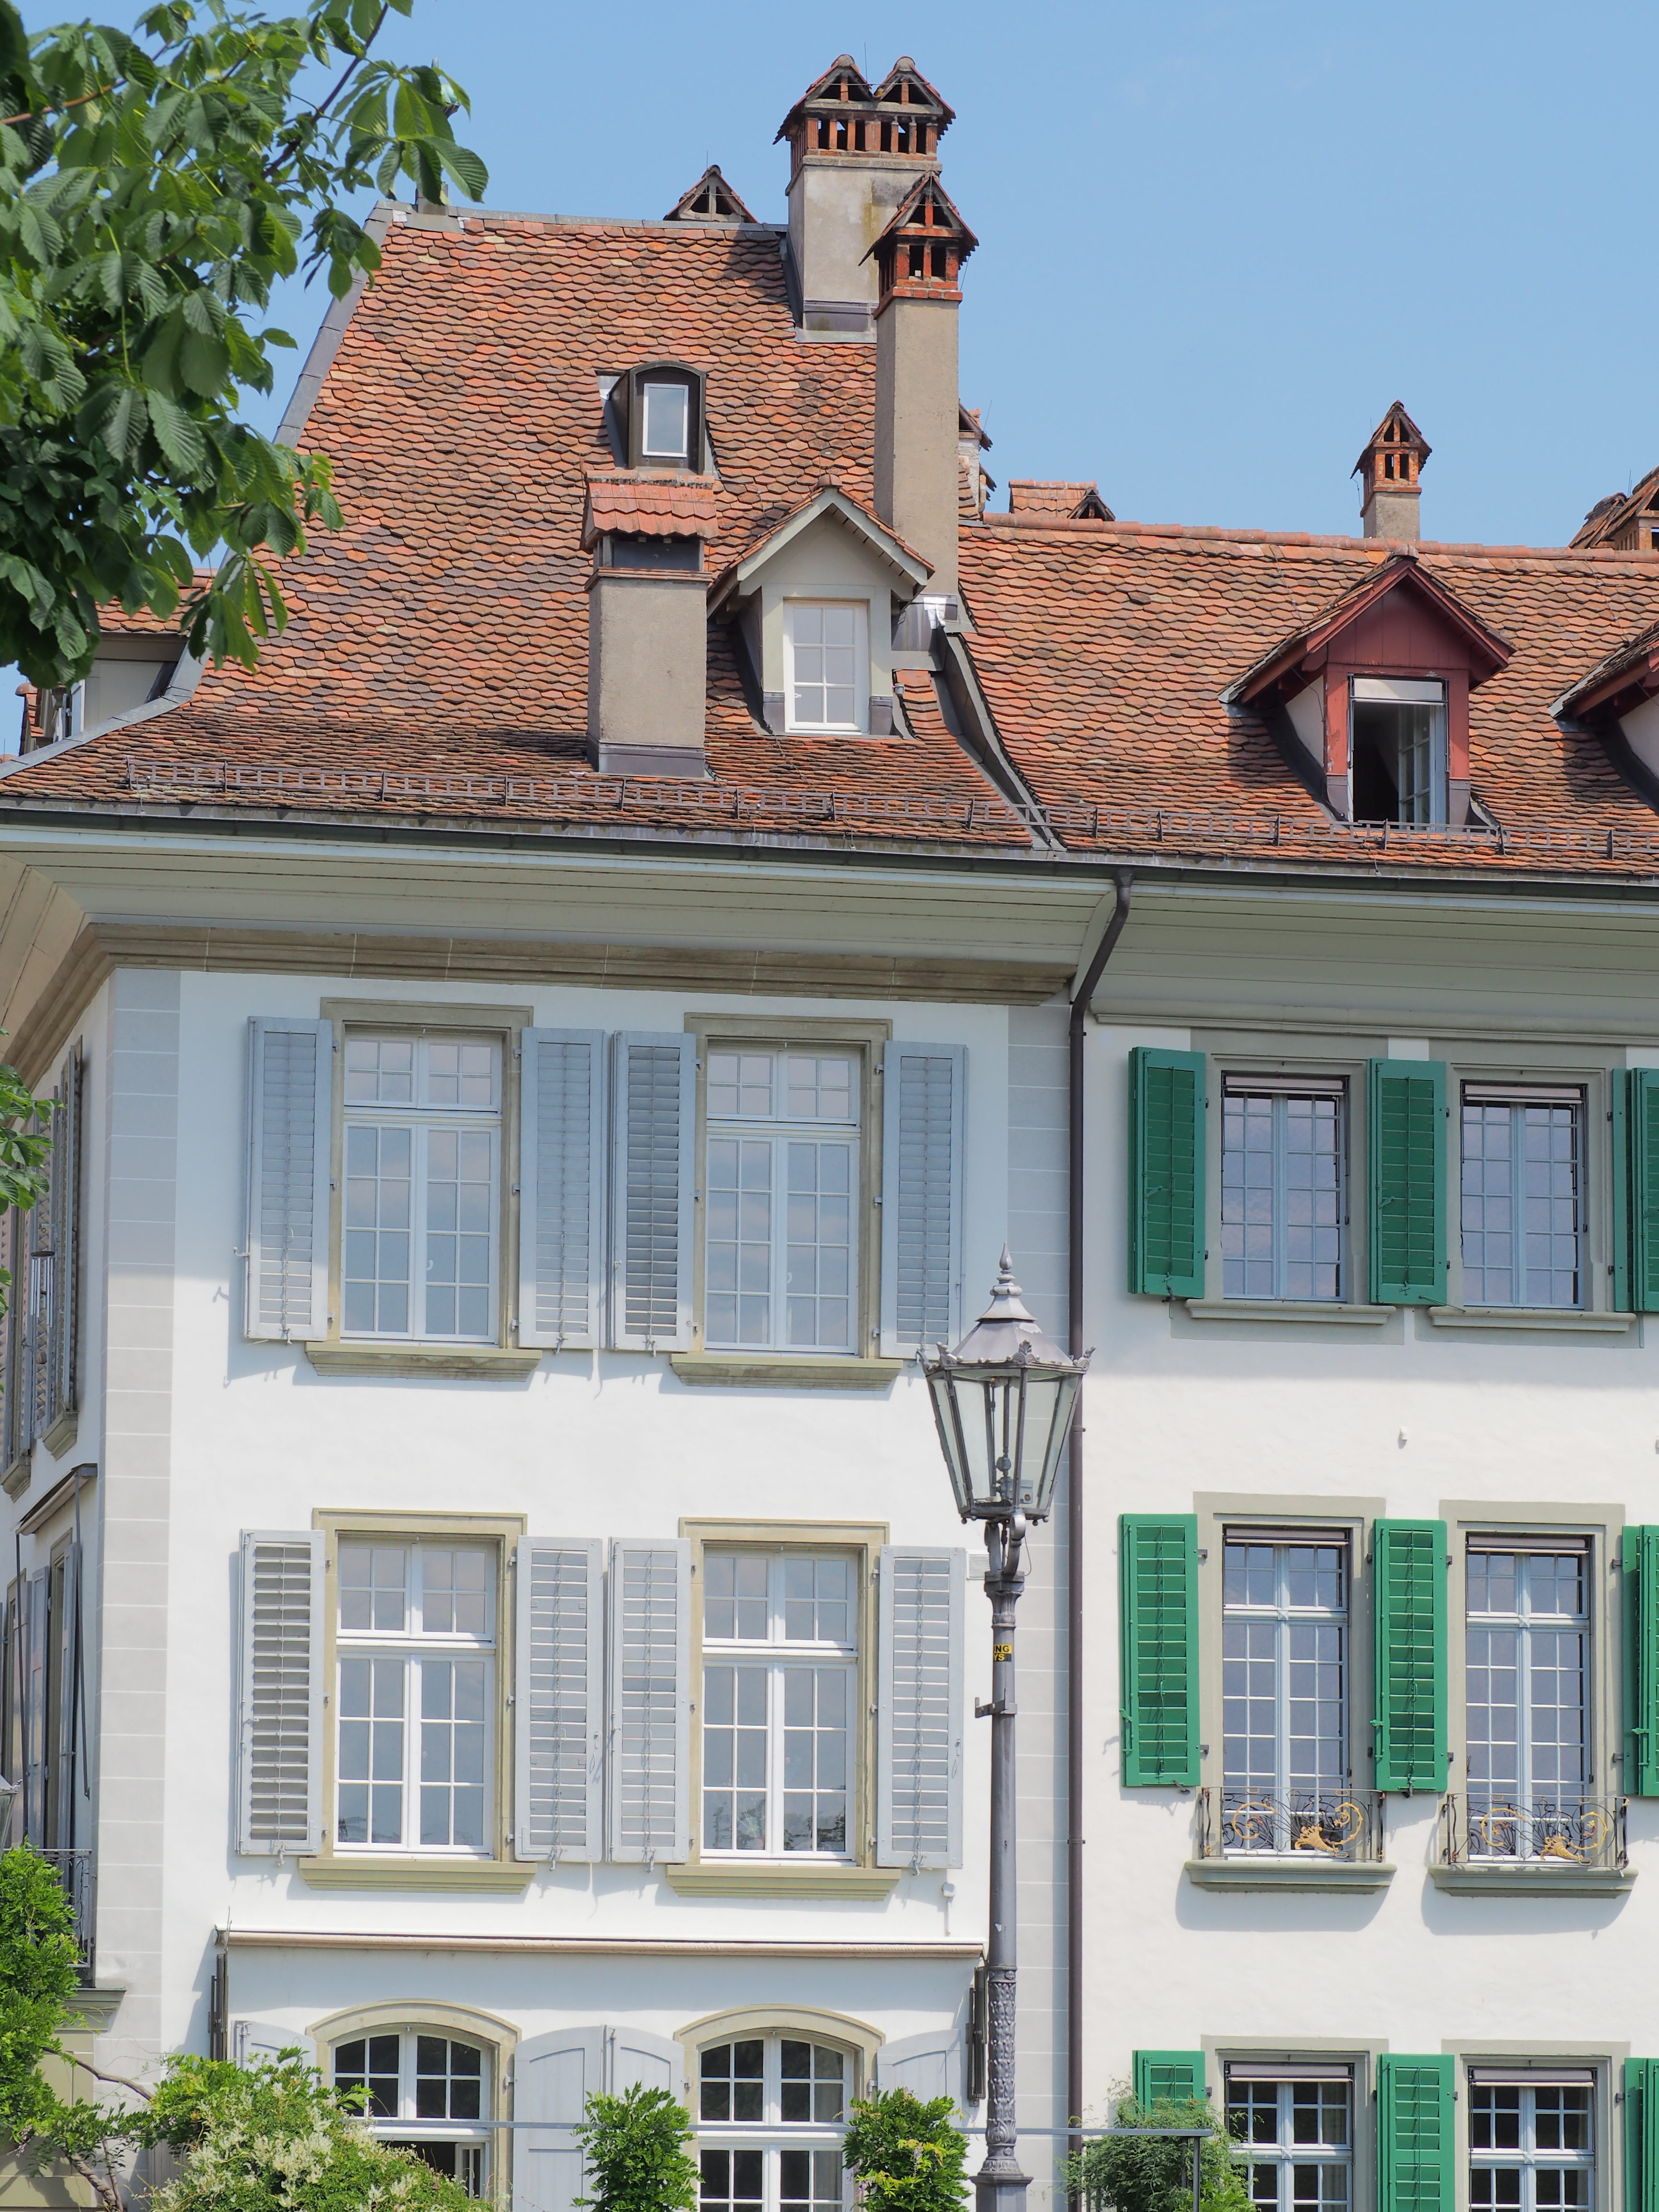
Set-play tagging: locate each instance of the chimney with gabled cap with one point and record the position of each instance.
(1389, 471)
(856, 152)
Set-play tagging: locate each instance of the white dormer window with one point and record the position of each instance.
(667, 420)
(828, 644)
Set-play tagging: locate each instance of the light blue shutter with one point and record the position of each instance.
(649, 1731)
(925, 1091)
(291, 1111)
(558, 1708)
(279, 1798)
(919, 1662)
(561, 1187)
(553, 2077)
(653, 1124)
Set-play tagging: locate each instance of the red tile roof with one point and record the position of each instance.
(645, 505)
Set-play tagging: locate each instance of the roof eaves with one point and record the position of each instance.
(837, 507)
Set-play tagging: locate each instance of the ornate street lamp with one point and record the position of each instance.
(1004, 1401)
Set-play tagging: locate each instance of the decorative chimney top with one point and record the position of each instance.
(1390, 470)
(711, 199)
(1065, 502)
(921, 251)
(901, 118)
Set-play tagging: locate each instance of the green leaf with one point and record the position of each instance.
(179, 437)
(204, 362)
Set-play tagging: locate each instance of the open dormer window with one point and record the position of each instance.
(1399, 742)
(657, 414)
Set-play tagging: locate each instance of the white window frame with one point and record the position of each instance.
(413, 1646)
(649, 452)
(1525, 1796)
(860, 610)
(1285, 2153)
(1526, 2156)
(1518, 1098)
(1287, 1795)
(775, 1655)
(1411, 691)
(406, 2127)
(772, 2134)
(423, 1121)
(1281, 1092)
(779, 1131)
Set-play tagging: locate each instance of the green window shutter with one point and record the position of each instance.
(1166, 1173)
(1640, 1561)
(1158, 1572)
(1636, 1190)
(1408, 1602)
(1406, 1141)
(1169, 2077)
(1416, 2157)
(1642, 2134)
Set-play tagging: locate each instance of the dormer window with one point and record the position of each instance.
(1399, 741)
(657, 416)
(667, 417)
(827, 643)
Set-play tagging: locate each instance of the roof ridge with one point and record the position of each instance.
(1199, 534)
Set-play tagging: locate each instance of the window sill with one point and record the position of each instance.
(60, 1437)
(1317, 1310)
(342, 1873)
(1303, 1870)
(783, 1371)
(1519, 1880)
(17, 1478)
(446, 1364)
(1564, 1319)
(710, 1878)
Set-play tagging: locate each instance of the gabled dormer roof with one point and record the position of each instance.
(711, 199)
(1284, 667)
(907, 570)
(1627, 676)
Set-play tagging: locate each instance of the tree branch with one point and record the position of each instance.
(317, 113)
(29, 114)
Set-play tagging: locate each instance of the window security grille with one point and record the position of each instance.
(1285, 1675)
(1527, 1647)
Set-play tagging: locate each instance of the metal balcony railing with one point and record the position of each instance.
(1490, 1829)
(1315, 1822)
(75, 1870)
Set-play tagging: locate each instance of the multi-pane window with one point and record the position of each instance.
(423, 1187)
(828, 663)
(427, 2094)
(1295, 2136)
(779, 1685)
(1526, 1668)
(771, 2111)
(1398, 745)
(1284, 1686)
(1532, 2148)
(1523, 1196)
(416, 1648)
(1282, 1188)
(779, 1200)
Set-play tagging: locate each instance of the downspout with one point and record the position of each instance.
(1080, 1001)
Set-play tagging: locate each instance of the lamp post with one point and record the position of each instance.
(1004, 1401)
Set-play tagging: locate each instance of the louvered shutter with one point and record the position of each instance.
(652, 1119)
(648, 1733)
(562, 1186)
(1169, 2077)
(1636, 1190)
(559, 1702)
(1408, 1601)
(290, 1112)
(279, 1778)
(1166, 1173)
(65, 1232)
(1640, 1558)
(924, 1099)
(1405, 1140)
(1642, 2134)
(1415, 2144)
(1157, 1572)
(919, 1673)
(553, 2077)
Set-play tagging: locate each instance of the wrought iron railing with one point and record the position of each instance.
(75, 1870)
(1315, 1822)
(1563, 1830)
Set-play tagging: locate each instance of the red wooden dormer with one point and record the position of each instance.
(922, 249)
(1370, 703)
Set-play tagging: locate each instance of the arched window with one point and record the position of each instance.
(427, 2092)
(771, 2116)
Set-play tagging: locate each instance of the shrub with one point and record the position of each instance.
(909, 2156)
(1154, 2174)
(634, 2146)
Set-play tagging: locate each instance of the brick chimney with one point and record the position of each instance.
(917, 259)
(647, 654)
(1389, 471)
(856, 153)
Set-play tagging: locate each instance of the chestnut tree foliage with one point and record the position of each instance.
(154, 185)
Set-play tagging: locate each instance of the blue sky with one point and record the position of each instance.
(1216, 241)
